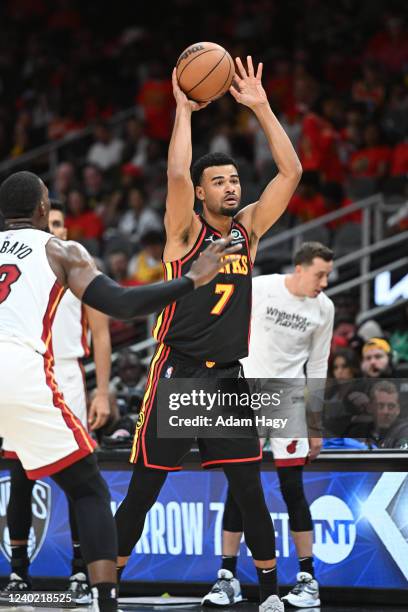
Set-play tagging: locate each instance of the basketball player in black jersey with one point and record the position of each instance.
(206, 334)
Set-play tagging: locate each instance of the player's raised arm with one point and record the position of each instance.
(259, 217)
(179, 215)
(75, 268)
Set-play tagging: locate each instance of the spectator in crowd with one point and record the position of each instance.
(94, 187)
(386, 429)
(126, 394)
(138, 218)
(389, 46)
(106, 152)
(320, 141)
(117, 265)
(135, 143)
(376, 359)
(373, 159)
(376, 362)
(146, 266)
(334, 199)
(308, 202)
(63, 181)
(369, 89)
(156, 99)
(343, 383)
(127, 388)
(399, 158)
(81, 222)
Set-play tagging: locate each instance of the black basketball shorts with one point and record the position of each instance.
(168, 453)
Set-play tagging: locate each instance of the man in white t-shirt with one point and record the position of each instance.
(291, 331)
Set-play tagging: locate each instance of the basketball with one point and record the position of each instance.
(205, 71)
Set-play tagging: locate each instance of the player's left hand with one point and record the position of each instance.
(315, 446)
(247, 87)
(99, 411)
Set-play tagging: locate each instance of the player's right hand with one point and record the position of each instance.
(181, 98)
(207, 266)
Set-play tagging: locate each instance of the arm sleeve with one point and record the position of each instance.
(118, 302)
(320, 347)
(316, 367)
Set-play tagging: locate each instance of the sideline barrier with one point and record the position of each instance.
(358, 500)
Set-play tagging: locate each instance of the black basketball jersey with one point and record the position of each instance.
(211, 323)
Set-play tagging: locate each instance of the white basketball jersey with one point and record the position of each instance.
(70, 329)
(29, 289)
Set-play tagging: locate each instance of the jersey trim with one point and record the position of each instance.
(287, 462)
(57, 466)
(82, 438)
(84, 333)
(197, 244)
(6, 454)
(172, 270)
(245, 233)
(156, 366)
(216, 462)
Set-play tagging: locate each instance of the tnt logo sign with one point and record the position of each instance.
(334, 529)
(41, 510)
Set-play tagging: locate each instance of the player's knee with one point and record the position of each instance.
(291, 484)
(232, 519)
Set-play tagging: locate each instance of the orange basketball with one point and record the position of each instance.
(205, 71)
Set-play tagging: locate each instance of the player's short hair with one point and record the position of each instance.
(20, 194)
(208, 160)
(385, 386)
(57, 205)
(309, 250)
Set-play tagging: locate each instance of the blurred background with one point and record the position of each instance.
(86, 102)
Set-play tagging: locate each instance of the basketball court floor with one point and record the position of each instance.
(138, 604)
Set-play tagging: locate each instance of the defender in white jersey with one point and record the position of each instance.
(291, 331)
(73, 321)
(35, 270)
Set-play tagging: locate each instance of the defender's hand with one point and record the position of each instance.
(211, 261)
(247, 88)
(181, 98)
(99, 411)
(315, 446)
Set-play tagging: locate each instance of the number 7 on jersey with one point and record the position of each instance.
(225, 291)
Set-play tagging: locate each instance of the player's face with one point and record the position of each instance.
(374, 362)
(386, 409)
(220, 190)
(314, 278)
(341, 371)
(57, 225)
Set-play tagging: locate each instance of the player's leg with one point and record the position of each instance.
(50, 441)
(78, 582)
(70, 380)
(144, 488)
(89, 494)
(306, 591)
(227, 590)
(19, 519)
(152, 459)
(244, 480)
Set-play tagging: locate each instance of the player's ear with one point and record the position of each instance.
(199, 191)
(64, 235)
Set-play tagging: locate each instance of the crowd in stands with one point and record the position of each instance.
(336, 75)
